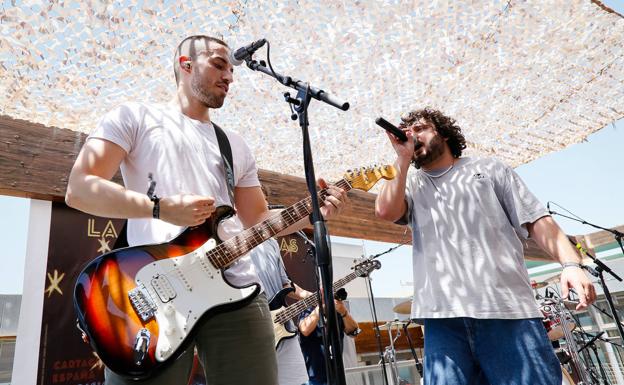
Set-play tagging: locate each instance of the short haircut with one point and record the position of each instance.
(187, 48)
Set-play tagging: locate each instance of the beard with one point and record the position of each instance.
(200, 89)
(433, 151)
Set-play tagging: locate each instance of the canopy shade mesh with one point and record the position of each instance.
(522, 78)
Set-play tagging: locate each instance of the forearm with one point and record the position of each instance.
(308, 324)
(350, 324)
(549, 236)
(390, 203)
(301, 293)
(98, 196)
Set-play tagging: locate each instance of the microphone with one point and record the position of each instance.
(391, 128)
(243, 53)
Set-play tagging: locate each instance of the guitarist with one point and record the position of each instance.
(177, 143)
(311, 339)
(268, 261)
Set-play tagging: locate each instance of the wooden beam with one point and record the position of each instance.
(35, 161)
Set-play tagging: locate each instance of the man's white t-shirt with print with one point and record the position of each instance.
(183, 156)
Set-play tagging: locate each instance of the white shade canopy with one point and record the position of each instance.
(522, 78)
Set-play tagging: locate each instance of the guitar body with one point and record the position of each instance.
(140, 305)
(276, 305)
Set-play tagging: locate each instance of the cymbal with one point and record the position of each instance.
(404, 307)
(396, 323)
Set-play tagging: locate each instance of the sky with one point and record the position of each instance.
(584, 178)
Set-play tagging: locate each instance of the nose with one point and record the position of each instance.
(228, 76)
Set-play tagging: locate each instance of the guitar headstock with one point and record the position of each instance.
(366, 177)
(364, 268)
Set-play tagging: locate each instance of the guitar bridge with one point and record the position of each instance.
(142, 303)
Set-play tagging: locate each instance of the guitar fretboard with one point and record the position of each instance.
(298, 307)
(232, 249)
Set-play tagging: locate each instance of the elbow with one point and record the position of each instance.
(386, 214)
(72, 196)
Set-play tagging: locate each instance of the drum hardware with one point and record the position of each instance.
(559, 324)
(573, 350)
(390, 352)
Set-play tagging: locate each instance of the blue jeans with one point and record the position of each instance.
(468, 351)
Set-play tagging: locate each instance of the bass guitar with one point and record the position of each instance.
(139, 306)
(281, 314)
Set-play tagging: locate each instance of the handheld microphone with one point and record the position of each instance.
(391, 128)
(243, 53)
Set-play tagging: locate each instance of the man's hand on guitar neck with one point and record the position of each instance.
(335, 201)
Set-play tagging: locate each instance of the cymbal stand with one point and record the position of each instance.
(371, 298)
(390, 355)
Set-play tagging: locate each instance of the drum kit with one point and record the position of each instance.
(398, 328)
(566, 335)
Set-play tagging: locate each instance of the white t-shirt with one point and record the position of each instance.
(467, 254)
(183, 156)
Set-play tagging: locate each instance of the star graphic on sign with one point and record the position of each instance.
(104, 247)
(54, 283)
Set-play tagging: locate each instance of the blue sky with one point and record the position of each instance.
(585, 178)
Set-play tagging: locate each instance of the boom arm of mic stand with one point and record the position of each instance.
(298, 85)
(600, 265)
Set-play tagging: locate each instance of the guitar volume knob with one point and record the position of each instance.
(169, 310)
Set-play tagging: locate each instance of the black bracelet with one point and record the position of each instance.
(156, 209)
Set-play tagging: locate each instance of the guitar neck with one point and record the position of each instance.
(232, 249)
(298, 307)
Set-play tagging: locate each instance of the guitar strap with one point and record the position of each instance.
(226, 156)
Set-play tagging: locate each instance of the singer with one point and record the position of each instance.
(471, 287)
(185, 151)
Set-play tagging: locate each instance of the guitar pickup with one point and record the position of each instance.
(163, 288)
(142, 303)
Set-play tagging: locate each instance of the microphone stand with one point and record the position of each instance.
(409, 339)
(305, 93)
(600, 268)
(369, 286)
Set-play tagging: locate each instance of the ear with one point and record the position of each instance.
(185, 63)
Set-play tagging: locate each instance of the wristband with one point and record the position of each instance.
(156, 209)
(571, 264)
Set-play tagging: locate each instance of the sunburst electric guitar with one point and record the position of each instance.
(139, 305)
(281, 315)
